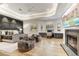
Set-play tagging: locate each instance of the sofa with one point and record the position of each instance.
(25, 44)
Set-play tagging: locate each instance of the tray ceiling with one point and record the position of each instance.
(29, 11)
(25, 11)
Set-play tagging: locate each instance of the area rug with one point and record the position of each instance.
(8, 47)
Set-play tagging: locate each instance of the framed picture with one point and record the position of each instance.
(49, 27)
(33, 27)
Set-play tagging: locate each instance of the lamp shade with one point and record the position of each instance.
(13, 21)
(5, 19)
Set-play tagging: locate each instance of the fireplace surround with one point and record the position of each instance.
(72, 40)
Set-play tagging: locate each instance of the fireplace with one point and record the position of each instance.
(72, 40)
(72, 43)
